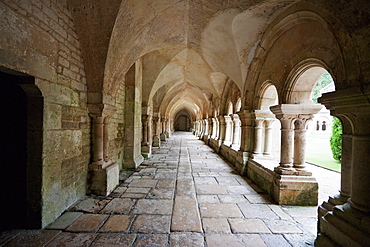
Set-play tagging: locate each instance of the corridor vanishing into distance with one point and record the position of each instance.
(184, 195)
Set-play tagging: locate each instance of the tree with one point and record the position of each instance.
(324, 80)
(336, 139)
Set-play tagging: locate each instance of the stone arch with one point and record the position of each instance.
(182, 120)
(22, 106)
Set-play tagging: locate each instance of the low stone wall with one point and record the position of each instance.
(262, 176)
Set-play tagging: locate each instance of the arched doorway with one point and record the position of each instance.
(21, 107)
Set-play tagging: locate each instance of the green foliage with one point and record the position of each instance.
(336, 139)
(324, 80)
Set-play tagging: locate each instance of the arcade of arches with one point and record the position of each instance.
(90, 87)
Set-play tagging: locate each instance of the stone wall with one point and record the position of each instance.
(38, 38)
(116, 129)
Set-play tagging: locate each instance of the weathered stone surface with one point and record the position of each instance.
(248, 226)
(257, 199)
(237, 190)
(113, 240)
(205, 189)
(185, 187)
(64, 221)
(216, 225)
(33, 238)
(166, 184)
(282, 226)
(186, 215)
(233, 199)
(90, 205)
(236, 240)
(87, 223)
(153, 206)
(257, 211)
(220, 210)
(117, 223)
(207, 199)
(143, 183)
(160, 194)
(151, 224)
(275, 240)
(133, 195)
(151, 240)
(118, 206)
(186, 239)
(72, 239)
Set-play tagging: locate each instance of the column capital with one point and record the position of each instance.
(101, 110)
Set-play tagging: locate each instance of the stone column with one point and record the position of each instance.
(214, 128)
(146, 149)
(257, 150)
(268, 137)
(294, 186)
(103, 172)
(236, 133)
(163, 129)
(228, 131)
(222, 129)
(300, 141)
(156, 140)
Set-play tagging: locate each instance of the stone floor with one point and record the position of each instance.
(184, 195)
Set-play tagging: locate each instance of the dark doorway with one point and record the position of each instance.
(21, 121)
(13, 146)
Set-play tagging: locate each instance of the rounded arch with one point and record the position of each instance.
(302, 80)
(300, 33)
(267, 96)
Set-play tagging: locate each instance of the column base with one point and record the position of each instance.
(146, 151)
(291, 171)
(344, 226)
(104, 177)
(156, 141)
(295, 190)
(163, 137)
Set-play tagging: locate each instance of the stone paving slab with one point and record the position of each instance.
(153, 206)
(8, 235)
(240, 190)
(220, 210)
(133, 195)
(186, 215)
(72, 239)
(282, 226)
(113, 240)
(204, 199)
(138, 190)
(87, 223)
(152, 240)
(216, 225)
(261, 211)
(64, 221)
(116, 223)
(275, 240)
(185, 187)
(90, 205)
(161, 194)
(248, 226)
(233, 199)
(118, 206)
(261, 199)
(166, 184)
(143, 183)
(186, 239)
(210, 189)
(234, 240)
(33, 238)
(151, 224)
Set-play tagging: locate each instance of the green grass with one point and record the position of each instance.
(319, 153)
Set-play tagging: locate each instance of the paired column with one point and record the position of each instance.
(163, 129)
(268, 137)
(236, 132)
(146, 148)
(156, 140)
(258, 131)
(229, 131)
(103, 172)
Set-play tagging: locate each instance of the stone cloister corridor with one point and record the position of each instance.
(184, 195)
(91, 90)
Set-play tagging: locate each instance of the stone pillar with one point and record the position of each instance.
(236, 132)
(294, 186)
(214, 128)
(228, 131)
(300, 141)
(268, 137)
(163, 129)
(146, 148)
(348, 224)
(222, 130)
(103, 172)
(156, 140)
(258, 131)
